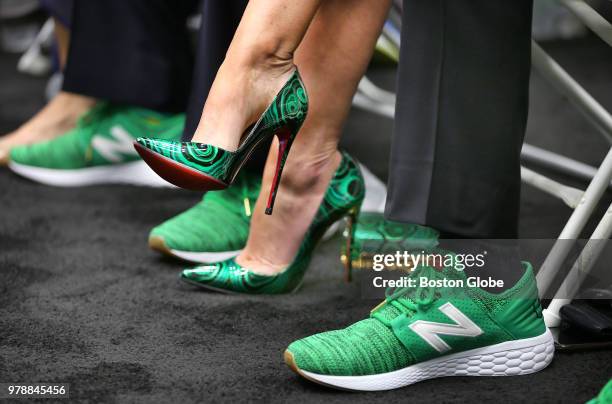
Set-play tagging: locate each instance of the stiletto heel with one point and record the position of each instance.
(284, 144)
(351, 221)
(205, 167)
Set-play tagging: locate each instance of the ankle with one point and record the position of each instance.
(308, 175)
(266, 54)
(222, 126)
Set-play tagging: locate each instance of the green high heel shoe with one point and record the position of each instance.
(374, 235)
(343, 198)
(205, 167)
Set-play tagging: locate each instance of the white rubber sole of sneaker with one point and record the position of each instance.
(511, 358)
(133, 173)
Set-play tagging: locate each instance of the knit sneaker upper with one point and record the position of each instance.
(389, 339)
(102, 136)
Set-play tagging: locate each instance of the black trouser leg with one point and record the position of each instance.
(131, 51)
(461, 115)
(59, 9)
(460, 119)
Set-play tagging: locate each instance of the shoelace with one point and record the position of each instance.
(408, 300)
(89, 123)
(245, 189)
(245, 198)
(94, 114)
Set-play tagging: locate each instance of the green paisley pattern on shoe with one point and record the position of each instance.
(344, 194)
(373, 235)
(197, 229)
(287, 110)
(103, 136)
(386, 342)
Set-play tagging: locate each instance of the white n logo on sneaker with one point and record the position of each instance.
(119, 143)
(463, 327)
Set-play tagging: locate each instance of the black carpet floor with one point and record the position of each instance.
(83, 301)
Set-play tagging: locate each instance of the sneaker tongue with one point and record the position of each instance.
(389, 311)
(94, 114)
(88, 124)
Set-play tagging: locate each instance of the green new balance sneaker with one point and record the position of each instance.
(99, 150)
(194, 234)
(425, 332)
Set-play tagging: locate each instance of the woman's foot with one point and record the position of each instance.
(240, 94)
(275, 239)
(343, 197)
(207, 166)
(58, 117)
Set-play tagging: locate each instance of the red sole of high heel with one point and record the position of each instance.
(178, 174)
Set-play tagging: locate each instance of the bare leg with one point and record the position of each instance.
(258, 63)
(332, 59)
(57, 117)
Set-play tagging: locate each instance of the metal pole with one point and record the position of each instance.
(559, 78)
(557, 162)
(590, 18)
(575, 224)
(375, 93)
(581, 268)
(362, 101)
(571, 196)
